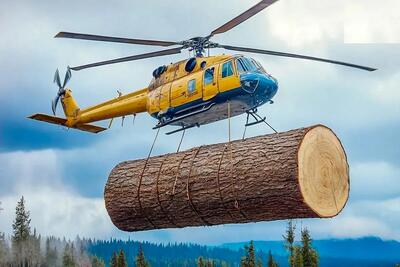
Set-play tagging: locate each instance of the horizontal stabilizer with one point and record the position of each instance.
(61, 121)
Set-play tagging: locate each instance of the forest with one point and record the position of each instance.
(26, 247)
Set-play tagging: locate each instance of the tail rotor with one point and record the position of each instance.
(61, 88)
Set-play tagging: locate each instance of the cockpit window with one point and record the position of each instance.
(245, 64)
(259, 66)
(249, 64)
(240, 66)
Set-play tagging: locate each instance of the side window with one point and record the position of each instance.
(191, 86)
(240, 66)
(209, 76)
(227, 69)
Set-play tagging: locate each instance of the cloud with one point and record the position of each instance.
(368, 21)
(374, 180)
(55, 208)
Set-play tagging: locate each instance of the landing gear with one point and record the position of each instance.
(257, 119)
(183, 128)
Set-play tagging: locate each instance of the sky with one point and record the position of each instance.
(62, 173)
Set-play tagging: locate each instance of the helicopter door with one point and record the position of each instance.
(228, 78)
(210, 87)
(193, 87)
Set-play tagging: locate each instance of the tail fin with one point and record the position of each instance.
(61, 121)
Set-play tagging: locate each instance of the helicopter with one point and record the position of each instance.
(192, 92)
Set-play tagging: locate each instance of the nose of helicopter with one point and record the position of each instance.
(269, 86)
(263, 85)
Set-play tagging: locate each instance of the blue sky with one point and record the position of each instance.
(62, 173)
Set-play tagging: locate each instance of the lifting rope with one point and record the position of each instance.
(141, 178)
(233, 185)
(180, 142)
(188, 194)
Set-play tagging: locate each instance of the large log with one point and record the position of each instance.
(301, 173)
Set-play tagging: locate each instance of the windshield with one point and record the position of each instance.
(245, 64)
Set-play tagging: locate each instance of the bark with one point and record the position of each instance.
(256, 179)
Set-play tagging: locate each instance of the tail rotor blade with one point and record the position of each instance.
(67, 77)
(57, 79)
(54, 104)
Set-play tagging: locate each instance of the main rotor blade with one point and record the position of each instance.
(244, 16)
(131, 58)
(92, 37)
(282, 54)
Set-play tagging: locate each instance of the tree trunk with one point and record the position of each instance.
(301, 173)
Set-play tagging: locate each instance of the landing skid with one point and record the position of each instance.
(256, 117)
(183, 128)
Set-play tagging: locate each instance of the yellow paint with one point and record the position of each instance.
(168, 90)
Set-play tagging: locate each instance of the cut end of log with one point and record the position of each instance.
(323, 172)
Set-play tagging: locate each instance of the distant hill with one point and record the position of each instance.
(371, 251)
(366, 252)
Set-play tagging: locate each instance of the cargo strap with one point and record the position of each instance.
(233, 185)
(177, 175)
(141, 178)
(189, 197)
(219, 185)
(158, 195)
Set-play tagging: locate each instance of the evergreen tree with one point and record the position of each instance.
(33, 249)
(271, 261)
(249, 260)
(200, 262)
(98, 262)
(114, 260)
(140, 259)
(68, 257)
(289, 241)
(121, 259)
(4, 250)
(50, 254)
(259, 262)
(309, 255)
(297, 257)
(21, 233)
(210, 263)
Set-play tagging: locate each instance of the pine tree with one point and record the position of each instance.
(98, 262)
(259, 262)
(289, 241)
(271, 261)
(309, 255)
(4, 250)
(121, 259)
(21, 233)
(210, 263)
(140, 259)
(200, 262)
(50, 254)
(114, 260)
(33, 249)
(297, 257)
(68, 257)
(249, 259)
